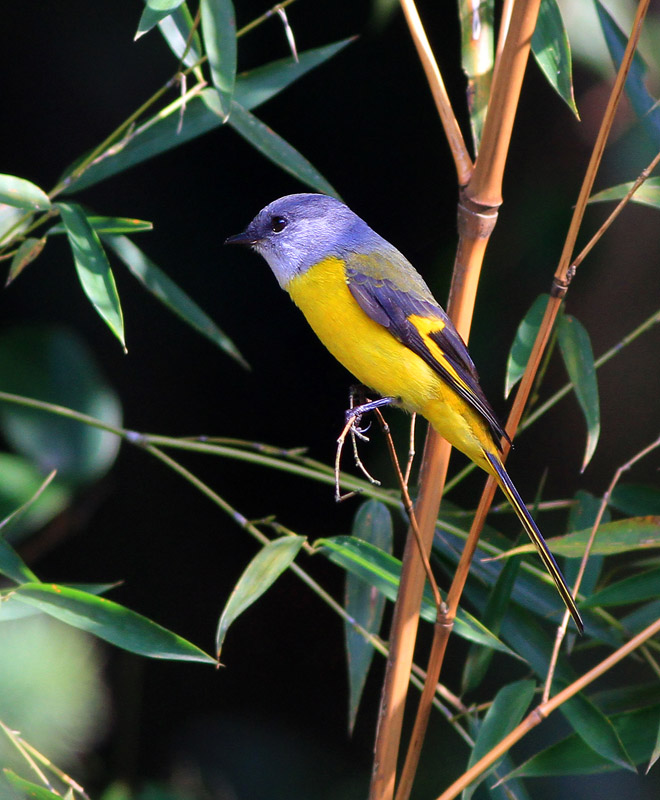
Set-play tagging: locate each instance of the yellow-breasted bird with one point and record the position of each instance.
(376, 315)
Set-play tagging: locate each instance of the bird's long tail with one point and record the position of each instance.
(506, 484)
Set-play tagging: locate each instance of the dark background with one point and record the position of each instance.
(272, 722)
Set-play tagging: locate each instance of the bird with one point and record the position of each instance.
(376, 315)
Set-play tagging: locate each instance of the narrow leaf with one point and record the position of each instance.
(110, 621)
(635, 499)
(582, 516)
(154, 12)
(635, 589)
(505, 713)
(552, 52)
(280, 152)
(219, 34)
(578, 356)
(93, 268)
(477, 59)
(164, 289)
(26, 254)
(364, 603)
(34, 791)
(20, 193)
(648, 194)
(523, 342)
(622, 536)
(596, 730)
(176, 29)
(260, 84)
(655, 755)
(260, 574)
(110, 225)
(643, 103)
(383, 571)
(11, 608)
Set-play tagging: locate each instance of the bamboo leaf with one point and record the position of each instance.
(219, 34)
(552, 52)
(21, 193)
(504, 714)
(383, 571)
(596, 730)
(582, 516)
(154, 12)
(109, 225)
(164, 289)
(280, 152)
(176, 30)
(635, 589)
(364, 603)
(26, 254)
(477, 59)
(622, 536)
(635, 499)
(523, 342)
(655, 755)
(260, 574)
(109, 621)
(34, 791)
(648, 194)
(643, 103)
(575, 347)
(93, 268)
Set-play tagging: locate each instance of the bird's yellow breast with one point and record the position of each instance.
(378, 360)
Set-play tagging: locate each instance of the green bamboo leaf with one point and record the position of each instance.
(260, 574)
(572, 756)
(622, 536)
(552, 52)
(364, 603)
(110, 621)
(635, 589)
(575, 347)
(219, 34)
(109, 225)
(21, 193)
(269, 144)
(477, 60)
(93, 268)
(26, 254)
(383, 571)
(648, 194)
(523, 342)
(655, 755)
(635, 500)
(260, 84)
(11, 608)
(154, 12)
(34, 791)
(176, 29)
(504, 714)
(641, 617)
(478, 658)
(596, 730)
(583, 515)
(644, 105)
(164, 289)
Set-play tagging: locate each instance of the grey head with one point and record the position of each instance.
(299, 230)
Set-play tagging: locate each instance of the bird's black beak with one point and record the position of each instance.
(241, 238)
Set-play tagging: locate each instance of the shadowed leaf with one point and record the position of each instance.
(219, 34)
(552, 52)
(523, 342)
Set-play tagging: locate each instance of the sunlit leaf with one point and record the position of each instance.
(578, 356)
(596, 730)
(523, 342)
(11, 608)
(635, 589)
(110, 225)
(21, 193)
(648, 194)
(219, 34)
(642, 102)
(364, 603)
(164, 289)
(622, 536)
(154, 12)
(34, 791)
(635, 499)
(477, 59)
(176, 30)
(280, 152)
(383, 571)
(552, 52)
(110, 621)
(260, 574)
(26, 254)
(54, 365)
(505, 712)
(93, 268)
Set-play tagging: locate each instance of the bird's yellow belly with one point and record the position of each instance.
(381, 362)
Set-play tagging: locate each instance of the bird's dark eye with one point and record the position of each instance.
(278, 224)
